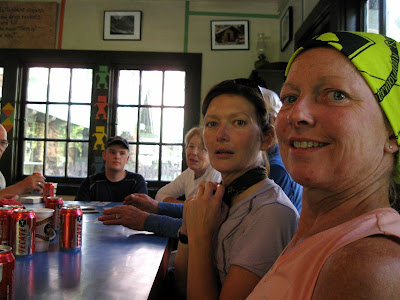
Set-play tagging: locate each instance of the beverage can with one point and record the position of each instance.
(71, 227)
(48, 190)
(7, 267)
(23, 225)
(36, 173)
(55, 203)
(5, 224)
(14, 206)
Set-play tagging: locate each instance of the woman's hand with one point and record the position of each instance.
(205, 211)
(128, 216)
(143, 202)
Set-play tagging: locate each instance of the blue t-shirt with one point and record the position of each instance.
(280, 175)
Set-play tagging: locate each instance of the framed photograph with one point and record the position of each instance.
(229, 35)
(286, 28)
(122, 25)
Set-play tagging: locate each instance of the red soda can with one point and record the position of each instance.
(5, 222)
(36, 173)
(14, 206)
(48, 190)
(23, 226)
(55, 203)
(71, 227)
(7, 266)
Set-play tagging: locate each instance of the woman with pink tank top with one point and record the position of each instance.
(339, 136)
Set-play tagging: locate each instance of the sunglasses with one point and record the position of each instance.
(244, 82)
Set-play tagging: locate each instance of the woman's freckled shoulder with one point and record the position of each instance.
(368, 267)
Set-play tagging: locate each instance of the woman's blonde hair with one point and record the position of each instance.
(191, 133)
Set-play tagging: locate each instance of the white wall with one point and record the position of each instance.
(164, 27)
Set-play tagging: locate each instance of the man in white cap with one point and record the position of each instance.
(115, 183)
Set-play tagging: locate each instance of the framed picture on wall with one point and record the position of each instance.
(286, 28)
(122, 25)
(229, 35)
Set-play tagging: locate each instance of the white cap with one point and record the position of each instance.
(272, 101)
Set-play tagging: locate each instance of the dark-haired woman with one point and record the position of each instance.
(237, 229)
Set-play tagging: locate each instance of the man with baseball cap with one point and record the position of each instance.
(115, 183)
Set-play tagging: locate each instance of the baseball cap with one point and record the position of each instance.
(117, 140)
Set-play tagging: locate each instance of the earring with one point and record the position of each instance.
(390, 147)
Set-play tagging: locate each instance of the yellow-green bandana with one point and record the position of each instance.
(377, 58)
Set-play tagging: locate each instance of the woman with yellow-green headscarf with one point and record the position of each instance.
(338, 132)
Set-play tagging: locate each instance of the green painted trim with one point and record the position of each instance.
(186, 34)
(222, 14)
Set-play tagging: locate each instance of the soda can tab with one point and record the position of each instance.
(71, 228)
(55, 203)
(23, 225)
(14, 206)
(5, 225)
(7, 267)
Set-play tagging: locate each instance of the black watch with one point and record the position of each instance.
(183, 238)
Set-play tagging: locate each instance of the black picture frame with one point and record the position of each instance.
(286, 28)
(122, 25)
(230, 35)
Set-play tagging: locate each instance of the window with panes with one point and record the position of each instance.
(57, 121)
(149, 114)
(153, 100)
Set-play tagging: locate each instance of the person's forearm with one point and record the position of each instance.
(181, 266)
(174, 210)
(202, 280)
(163, 225)
(17, 189)
(172, 200)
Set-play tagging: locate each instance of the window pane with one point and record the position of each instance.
(393, 19)
(80, 122)
(148, 161)
(151, 88)
(33, 157)
(149, 124)
(173, 125)
(127, 123)
(81, 85)
(57, 121)
(131, 164)
(373, 16)
(77, 159)
(59, 85)
(37, 84)
(55, 159)
(35, 119)
(171, 158)
(174, 88)
(128, 87)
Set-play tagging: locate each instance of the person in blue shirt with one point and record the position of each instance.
(278, 171)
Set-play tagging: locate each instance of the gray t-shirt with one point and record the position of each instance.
(256, 231)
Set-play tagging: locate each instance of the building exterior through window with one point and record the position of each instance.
(67, 108)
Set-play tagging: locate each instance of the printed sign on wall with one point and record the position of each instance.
(28, 24)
